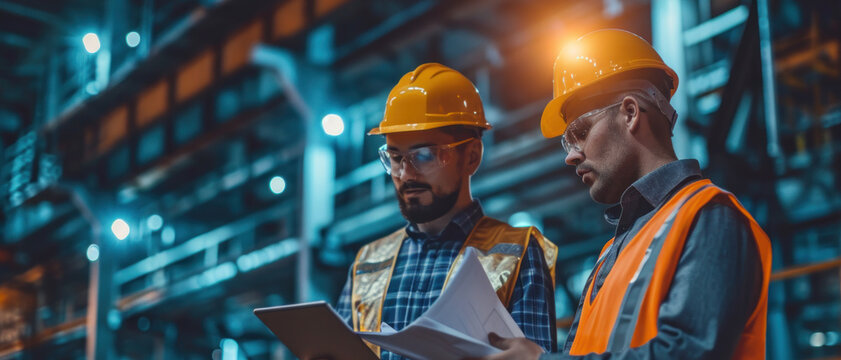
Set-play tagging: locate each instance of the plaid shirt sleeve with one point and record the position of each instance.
(533, 300)
(343, 306)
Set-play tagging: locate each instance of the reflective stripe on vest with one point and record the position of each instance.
(501, 249)
(624, 313)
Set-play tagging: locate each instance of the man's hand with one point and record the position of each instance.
(513, 349)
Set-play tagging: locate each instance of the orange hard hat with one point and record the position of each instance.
(592, 59)
(429, 97)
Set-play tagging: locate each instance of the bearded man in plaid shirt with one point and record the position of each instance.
(433, 125)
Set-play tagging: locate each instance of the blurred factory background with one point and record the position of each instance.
(168, 166)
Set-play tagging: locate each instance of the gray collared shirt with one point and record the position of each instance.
(717, 282)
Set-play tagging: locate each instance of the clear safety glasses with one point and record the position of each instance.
(423, 159)
(576, 133)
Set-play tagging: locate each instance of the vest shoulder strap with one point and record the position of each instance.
(372, 270)
(371, 275)
(550, 251)
(501, 249)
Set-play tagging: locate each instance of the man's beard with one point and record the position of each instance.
(419, 214)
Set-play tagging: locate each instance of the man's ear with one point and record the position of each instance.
(475, 150)
(630, 111)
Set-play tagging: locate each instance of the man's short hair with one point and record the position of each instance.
(461, 132)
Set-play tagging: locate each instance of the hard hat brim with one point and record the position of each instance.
(382, 130)
(552, 122)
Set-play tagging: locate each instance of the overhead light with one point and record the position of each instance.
(120, 229)
(168, 235)
(154, 222)
(230, 349)
(133, 39)
(93, 252)
(114, 319)
(92, 88)
(521, 219)
(333, 124)
(91, 42)
(277, 185)
(817, 339)
(831, 338)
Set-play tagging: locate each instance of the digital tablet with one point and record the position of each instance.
(313, 331)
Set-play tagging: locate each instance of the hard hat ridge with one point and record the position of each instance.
(431, 96)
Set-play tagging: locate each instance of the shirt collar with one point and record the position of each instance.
(464, 221)
(655, 187)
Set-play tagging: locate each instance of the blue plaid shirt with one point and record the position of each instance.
(422, 267)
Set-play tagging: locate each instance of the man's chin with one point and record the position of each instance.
(413, 209)
(600, 195)
(419, 217)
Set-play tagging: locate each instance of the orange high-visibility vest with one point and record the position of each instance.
(624, 312)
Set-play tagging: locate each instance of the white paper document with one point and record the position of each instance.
(457, 324)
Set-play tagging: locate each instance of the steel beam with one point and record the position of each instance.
(393, 23)
(769, 90)
(15, 40)
(667, 37)
(30, 13)
(197, 244)
(716, 26)
(308, 89)
(101, 290)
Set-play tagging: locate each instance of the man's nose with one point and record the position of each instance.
(407, 171)
(574, 157)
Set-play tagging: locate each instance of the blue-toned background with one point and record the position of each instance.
(169, 165)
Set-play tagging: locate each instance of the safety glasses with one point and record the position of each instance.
(423, 159)
(576, 133)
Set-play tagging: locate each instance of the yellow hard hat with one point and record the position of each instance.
(429, 97)
(590, 60)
